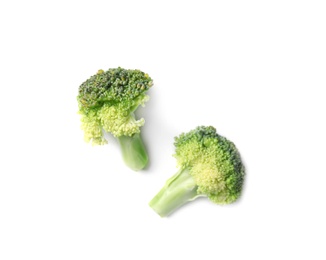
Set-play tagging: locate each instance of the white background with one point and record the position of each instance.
(253, 69)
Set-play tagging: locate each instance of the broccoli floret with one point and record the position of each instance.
(209, 165)
(107, 102)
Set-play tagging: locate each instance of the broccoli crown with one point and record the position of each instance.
(213, 161)
(107, 101)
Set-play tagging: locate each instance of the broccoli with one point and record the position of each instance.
(210, 165)
(107, 102)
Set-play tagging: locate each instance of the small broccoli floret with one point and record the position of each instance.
(107, 102)
(210, 165)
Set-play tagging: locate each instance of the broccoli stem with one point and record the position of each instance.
(177, 191)
(133, 151)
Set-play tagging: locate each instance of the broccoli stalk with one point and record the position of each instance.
(210, 165)
(178, 190)
(133, 151)
(107, 101)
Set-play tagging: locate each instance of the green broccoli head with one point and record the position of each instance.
(210, 165)
(213, 161)
(107, 101)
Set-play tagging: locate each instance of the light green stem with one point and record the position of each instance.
(178, 190)
(133, 151)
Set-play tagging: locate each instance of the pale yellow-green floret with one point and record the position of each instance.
(107, 101)
(213, 162)
(210, 166)
(119, 122)
(204, 166)
(92, 128)
(117, 119)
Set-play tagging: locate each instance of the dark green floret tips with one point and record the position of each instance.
(209, 165)
(107, 102)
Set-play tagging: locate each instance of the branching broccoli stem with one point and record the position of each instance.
(210, 165)
(177, 191)
(107, 101)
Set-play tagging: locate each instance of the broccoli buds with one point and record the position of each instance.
(107, 101)
(210, 166)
